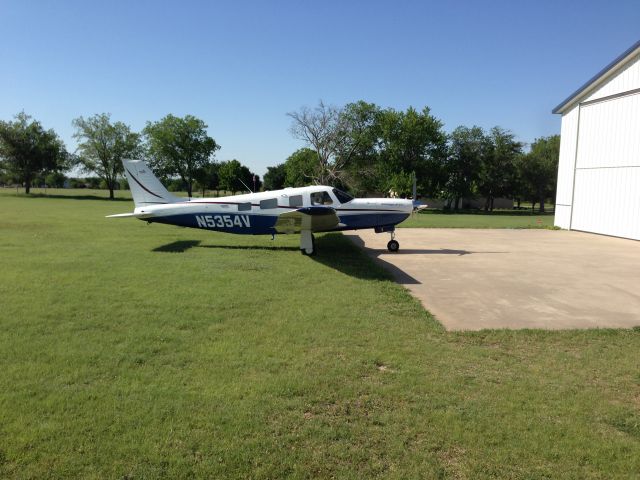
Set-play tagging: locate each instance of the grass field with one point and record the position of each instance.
(479, 219)
(147, 351)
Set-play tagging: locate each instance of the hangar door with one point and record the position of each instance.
(606, 196)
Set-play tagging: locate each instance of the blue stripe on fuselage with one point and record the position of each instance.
(249, 224)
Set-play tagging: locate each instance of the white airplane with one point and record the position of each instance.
(305, 210)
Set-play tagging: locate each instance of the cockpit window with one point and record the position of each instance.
(341, 196)
(321, 198)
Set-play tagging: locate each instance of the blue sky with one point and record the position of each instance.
(242, 65)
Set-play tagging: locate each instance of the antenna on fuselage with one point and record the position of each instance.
(245, 185)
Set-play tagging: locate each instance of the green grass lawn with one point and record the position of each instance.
(479, 219)
(130, 350)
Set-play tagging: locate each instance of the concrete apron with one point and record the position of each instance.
(474, 279)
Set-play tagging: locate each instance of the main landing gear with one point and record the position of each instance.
(307, 243)
(393, 245)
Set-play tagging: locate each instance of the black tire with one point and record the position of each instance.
(393, 246)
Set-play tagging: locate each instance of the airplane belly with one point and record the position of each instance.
(237, 223)
(371, 220)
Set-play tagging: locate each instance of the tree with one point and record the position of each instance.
(28, 150)
(179, 147)
(55, 180)
(412, 143)
(467, 147)
(323, 129)
(207, 177)
(232, 174)
(275, 177)
(301, 167)
(367, 148)
(497, 174)
(249, 179)
(360, 152)
(103, 145)
(538, 169)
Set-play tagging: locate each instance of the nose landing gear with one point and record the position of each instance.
(393, 245)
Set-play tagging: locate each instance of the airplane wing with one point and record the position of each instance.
(315, 219)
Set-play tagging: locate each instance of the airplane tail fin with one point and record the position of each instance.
(145, 187)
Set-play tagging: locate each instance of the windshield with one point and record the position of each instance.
(341, 196)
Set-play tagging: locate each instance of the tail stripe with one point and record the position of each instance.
(138, 182)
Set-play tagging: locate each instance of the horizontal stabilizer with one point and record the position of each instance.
(130, 215)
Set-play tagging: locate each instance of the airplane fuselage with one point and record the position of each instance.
(261, 213)
(303, 210)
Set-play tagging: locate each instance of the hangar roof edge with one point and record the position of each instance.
(594, 80)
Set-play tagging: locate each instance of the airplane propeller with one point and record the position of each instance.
(417, 204)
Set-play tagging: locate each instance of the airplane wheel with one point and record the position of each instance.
(393, 246)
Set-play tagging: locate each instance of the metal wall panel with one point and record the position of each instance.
(568, 137)
(627, 79)
(607, 201)
(606, 198)
(610, 133)
(562, 216)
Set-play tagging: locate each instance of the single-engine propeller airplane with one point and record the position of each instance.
(303, 210)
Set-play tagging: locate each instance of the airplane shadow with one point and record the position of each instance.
(251, 247)
(337, 252)
(332, 249)
(180, 246)
(347, 255)
(398, 274)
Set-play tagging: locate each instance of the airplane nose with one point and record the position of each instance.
(418, 205)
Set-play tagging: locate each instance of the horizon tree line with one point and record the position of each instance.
(178, 149)
(365, 148)
(360, 147)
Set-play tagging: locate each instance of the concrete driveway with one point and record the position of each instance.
(475, 279)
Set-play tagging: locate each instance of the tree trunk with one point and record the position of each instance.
(541, 204)
(491, 207)
(518, 203)
(189, 190)
(486, 204)
(27, 186)
(533, 206)
(111, 195)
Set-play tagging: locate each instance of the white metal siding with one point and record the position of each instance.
(607, 174)
(566, 164)
(626, 79)
(568, 135)
(607, 201)
(562, 216)
(610, 133)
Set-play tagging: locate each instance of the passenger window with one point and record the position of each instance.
(295, 201)
(267, 204)
(321, 198)
(243, 207)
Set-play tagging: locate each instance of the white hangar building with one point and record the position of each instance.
(599, 168)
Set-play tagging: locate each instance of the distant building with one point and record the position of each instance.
(599, 169)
